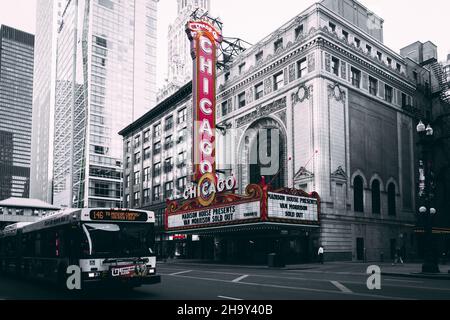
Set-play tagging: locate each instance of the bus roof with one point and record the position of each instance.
(100, 215)
(12, 229)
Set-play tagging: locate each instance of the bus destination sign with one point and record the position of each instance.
(113, 215)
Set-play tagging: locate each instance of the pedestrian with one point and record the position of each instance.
(320, 254)
(398, 256)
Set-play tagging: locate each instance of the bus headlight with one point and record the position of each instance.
(151, 271)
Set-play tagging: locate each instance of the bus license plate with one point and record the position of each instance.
(128, 271)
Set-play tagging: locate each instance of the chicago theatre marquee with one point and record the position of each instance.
(315, 108)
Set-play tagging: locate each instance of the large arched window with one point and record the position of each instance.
(376, 202)
(358, 194)
(391, 200)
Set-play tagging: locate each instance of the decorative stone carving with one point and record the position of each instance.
(249, 95)
(282, 116)
(327, 62)
(302, 94)
(303, 174)
(334, 91)
(339, 174)
(268, 86)
(311, 62)
(343, 70)
(285, 75)
(261, 111)
(292, 72)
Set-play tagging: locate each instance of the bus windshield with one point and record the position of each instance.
(118, 240)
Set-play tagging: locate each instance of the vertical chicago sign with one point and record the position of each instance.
(204, 39)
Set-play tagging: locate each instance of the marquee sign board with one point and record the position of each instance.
(209, 217)
(204, 38)
(290, 207)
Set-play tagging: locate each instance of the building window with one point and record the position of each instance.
(298, 31)
(335, 65)
(392, 211)
(137, 196)
(137, 158)
(168, 165)
(259, 56)
(168, 143)
(379, 55)
(332, 26)
(241, 100)
(157, 148)
(301, 68)
(146, 136)
(156, 193)
(181, 184)
(137, 141)
(388, 93)
(404, 100)
(278, 81)
(224, 108)
(147, 153)
(398, 67)
(345, 34)
(182, 156)
(128, 163)
(137, 177)
(278, 44)
(358, 194)
(157, 169)
(369, 49)
(128, 147)
(168, 190)
(241, 68)
(356, 77)
(169, 123)
(127, 181)
(146, 176)
(227, 76)
(181, 136)
(373, 86)
(182, 116)
(157, 131)
(389, 61)
(357, 43)
(146, 196)
(127, 200)
(259, 91)
(376, 198)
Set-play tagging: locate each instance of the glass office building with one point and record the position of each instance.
(105, 79)
(16, 91)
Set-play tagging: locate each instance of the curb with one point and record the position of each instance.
(417, 275)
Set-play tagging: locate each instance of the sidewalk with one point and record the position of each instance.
(413, 270)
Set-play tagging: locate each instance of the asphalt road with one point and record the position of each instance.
(205, 282)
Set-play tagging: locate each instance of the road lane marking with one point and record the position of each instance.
(240, 278)
(181, 272)
(341, 287)
(372, 296)
(229, 298)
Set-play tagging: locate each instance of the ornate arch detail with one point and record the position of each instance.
(361, 174)
(376, 176)
(397, 188)
(335, 91)
(245, 142)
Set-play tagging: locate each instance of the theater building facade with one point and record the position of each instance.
(341, 106)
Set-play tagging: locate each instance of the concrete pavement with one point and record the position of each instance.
(413, 270)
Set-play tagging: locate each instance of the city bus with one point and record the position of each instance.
(106, 245)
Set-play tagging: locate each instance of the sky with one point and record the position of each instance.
(405, 21)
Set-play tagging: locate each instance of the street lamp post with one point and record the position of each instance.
(426, 195)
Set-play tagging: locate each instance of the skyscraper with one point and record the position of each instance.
(105, 79)
(48, 15)
(179, 49)
(16, 91)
